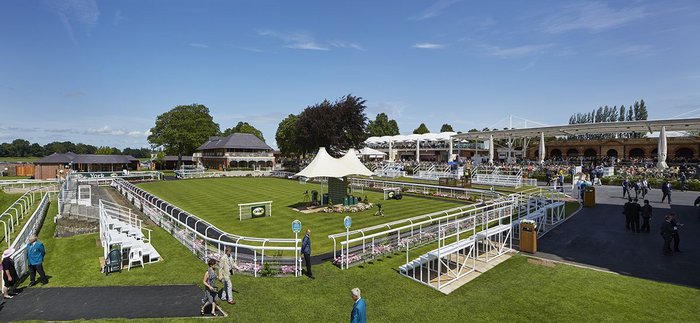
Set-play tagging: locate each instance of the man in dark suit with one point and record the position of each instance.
(646, 216)
(306, 251)
(359, 309)
(697, 203)
(635, 211)
(627, 213)
(666, 190)
(666, 233)
(674, 234)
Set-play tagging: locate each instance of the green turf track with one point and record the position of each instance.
(216, 200)
(515, 291)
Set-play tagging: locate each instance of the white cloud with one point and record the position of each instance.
(303, 40)
(343, 44)
(593, 16)
(518, 51)
(435, 9)
(198, 45)
(630, 50)
(76, 12)
(108, 131)
(428, 46)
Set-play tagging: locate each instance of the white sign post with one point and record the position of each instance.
(296, 228)
(347, 222)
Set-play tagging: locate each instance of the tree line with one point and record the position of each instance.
(635, 112)
(24, 148)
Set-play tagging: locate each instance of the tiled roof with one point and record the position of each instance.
(68, 157)
(235, 141)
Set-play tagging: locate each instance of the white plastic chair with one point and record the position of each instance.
(135, 255)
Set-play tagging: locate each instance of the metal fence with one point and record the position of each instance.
(205, 239)
(31, 228)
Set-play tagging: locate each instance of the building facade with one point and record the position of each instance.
(57, 165)
(236, 151)
(679, 148)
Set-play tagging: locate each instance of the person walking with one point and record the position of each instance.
(697, 203)
(646, 216)
(666, 190)
(35, 257)
(359, 309)
(625, 187)
(674, 234)
(684, 182)
(9, 273)
(306, 252)
(666, 234)
(210, 290)
(224, 276)
(635, 210)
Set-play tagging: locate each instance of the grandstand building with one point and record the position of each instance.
(57, 165)
(238, 150)
(436, 148)
(679, 148)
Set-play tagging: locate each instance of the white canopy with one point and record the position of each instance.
(371, 152)
(324, 165)
(353, 165)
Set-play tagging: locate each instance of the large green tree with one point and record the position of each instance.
(286, 135)
(421, 129)
(181, 130)
(446, 128)
(337, 126)
(382, 126)
(244, 127)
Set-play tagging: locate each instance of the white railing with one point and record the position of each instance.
(30, 228)
(370, 242)
(10, 218)
(427, 189)
(496, 176)
(200, 236)
(418, 231)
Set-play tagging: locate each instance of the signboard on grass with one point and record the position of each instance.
(257, 211)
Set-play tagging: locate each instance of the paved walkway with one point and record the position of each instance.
(131, 302)
(596, 237)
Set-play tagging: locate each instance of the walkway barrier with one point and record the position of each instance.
(497, 176)
(30, 228)
(17, 210)
(376, 241)
(205, 239)
(484, 237)
(475, 195)
(9, 186)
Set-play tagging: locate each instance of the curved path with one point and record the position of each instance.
(129, 302)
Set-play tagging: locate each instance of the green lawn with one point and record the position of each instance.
(18, 159)
(216, 200)
(74, 261)
(513, 291)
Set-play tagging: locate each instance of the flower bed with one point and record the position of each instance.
(359, 207)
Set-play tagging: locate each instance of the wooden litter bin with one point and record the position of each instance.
(589, 196)
(528, 237)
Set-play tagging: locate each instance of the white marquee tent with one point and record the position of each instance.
(324, 165)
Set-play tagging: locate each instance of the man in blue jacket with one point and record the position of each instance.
(35, 257)
(359, 310)
(306, 251)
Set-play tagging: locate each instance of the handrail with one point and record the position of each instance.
(134, 189)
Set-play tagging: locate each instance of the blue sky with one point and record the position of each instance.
(99, 72)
